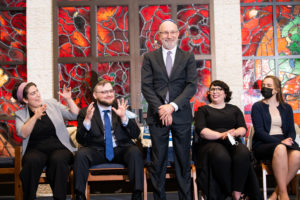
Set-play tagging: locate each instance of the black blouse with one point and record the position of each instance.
(43, 129)
(220, 120)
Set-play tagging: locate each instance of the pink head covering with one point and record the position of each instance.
(20, 91)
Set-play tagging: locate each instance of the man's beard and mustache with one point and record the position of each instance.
(105, 103)
(169, 44)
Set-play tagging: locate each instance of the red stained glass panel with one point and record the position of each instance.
(112, 31)
(74, 31)
(150, 19)
(257, 31)
(9, 76)
(118, 73)
(13, 3)
(78, 77)
(204, 80)
(194, 28)
(12, 36)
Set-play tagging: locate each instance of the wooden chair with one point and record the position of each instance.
(266, 167)
(110, 172)
(11, 165)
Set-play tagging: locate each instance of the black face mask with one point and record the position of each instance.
(266, 92)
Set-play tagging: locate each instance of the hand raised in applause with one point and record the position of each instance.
(40, 111)
(89, 113)
(66, 93)
(121, 111)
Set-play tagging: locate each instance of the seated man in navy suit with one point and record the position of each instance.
(106, 134)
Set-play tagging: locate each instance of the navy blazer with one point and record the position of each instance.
(94, 138)
(261, 120)
(181, 84)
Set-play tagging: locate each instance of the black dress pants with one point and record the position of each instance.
(129, 155)
(57, 159)
(181, 135)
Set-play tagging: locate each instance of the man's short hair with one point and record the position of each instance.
(102, 83)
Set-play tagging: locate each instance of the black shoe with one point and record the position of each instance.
(79, 196)
(136, 195)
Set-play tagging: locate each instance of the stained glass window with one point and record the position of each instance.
(13, 3)
(204, 80)
(150, 19)
(112, 31)
(288, 20)
(9, 76)
(257, 31)
(270, 56)
(12, 36)
(193, 24)
(114, 48)
(74, 31)
(118, 73)
(78, 77)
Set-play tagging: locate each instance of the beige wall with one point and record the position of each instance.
(226, 38)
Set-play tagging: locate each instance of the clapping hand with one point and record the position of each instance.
(66, 93)
(121, 111)
(40, 111)
(90, 112)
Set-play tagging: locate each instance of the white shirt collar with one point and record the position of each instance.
(102, 108)
(165, 51)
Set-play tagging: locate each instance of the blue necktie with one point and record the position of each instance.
(109, 150)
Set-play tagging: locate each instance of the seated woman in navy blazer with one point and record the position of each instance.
(274, 137)
(46, 141)
(223, 169)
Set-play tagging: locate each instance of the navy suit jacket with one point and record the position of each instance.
(181, 84)
(94, 138)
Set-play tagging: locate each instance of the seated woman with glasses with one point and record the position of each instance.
(274, 136)
(46, 141)
(223, 163)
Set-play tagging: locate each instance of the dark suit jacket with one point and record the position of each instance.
(94, 138)
(182, 84)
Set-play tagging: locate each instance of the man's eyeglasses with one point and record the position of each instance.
(167, 33)
(217, 89)
(105, 91)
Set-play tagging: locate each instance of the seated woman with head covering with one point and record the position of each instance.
(45, 139)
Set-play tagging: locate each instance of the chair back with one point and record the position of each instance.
(297, 128)
(250, 138)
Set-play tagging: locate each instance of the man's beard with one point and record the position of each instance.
(169, 45)
(105, 103)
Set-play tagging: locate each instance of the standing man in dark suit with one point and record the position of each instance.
(105, 132)
(169, 79)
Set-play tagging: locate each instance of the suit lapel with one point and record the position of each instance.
(97, 118)
(160, 60)
(114, 119)
(178, 57)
